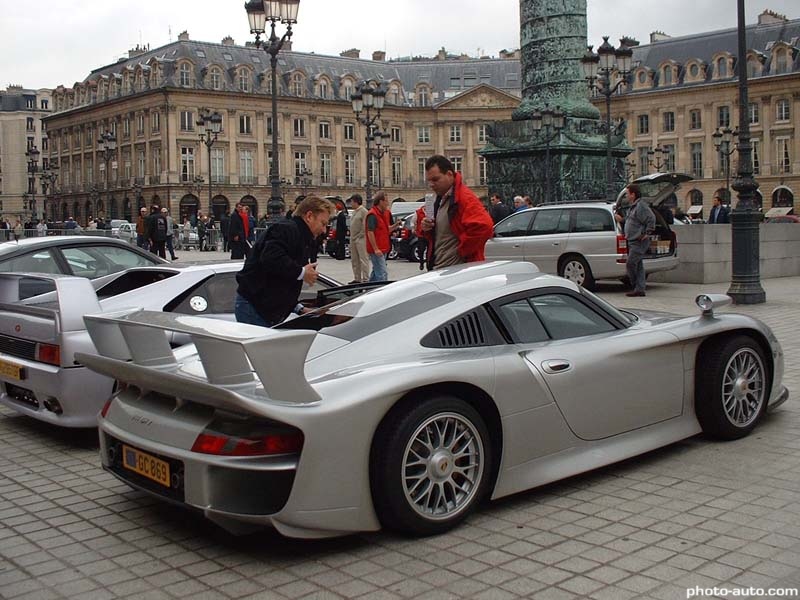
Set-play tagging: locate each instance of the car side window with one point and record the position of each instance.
(41, 261)
(550, 221)
(564, 316)
(214, 296)
(97, 261)
(593, 220)
(522, 322)
(514, 226)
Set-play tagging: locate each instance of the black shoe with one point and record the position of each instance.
(174, 258)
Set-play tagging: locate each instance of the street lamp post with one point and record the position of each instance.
(597, 69)
(208, 126)
(658, 157)
(745, 273)
(723, 143)
(48, 179)
(552, 122)
(107, 146)
(369, 95)
(33, 169)
(258, 13)
(381, 139)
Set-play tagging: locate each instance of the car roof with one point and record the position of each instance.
(32, 243)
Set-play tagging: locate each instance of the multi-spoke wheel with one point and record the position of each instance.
(576, 269)
(732, 389)
(430, 465)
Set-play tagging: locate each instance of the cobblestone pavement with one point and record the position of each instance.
(697, 513)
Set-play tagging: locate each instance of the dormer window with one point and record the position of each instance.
(394, 96)
(348, 89)
(781, 62)
(184, 74)
(722, 67)
(297, 84)
(215, 78)
(243, 80)
(423, 96)
(322, 89)
(667, 79)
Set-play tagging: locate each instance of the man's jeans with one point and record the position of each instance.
(379, 272)
(246, 313)
(636, 251)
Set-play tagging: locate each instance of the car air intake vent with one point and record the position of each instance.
(463, 332)
(17, 347)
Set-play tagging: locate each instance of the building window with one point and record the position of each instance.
(780, 61)
(217, 165)
(269, 162)
(245, 125)
(155, 122)
(695, 119)
(45, 147)
(696, 152)
(324, 130)
(323, 89)
(394, 94)
(246, 166)
(45, 104)
(299, 128)
(422, 96)
(783, 155)
(185, 74)
(215, 79)
(187, 120)
(349, 168)
(324, 168)
(723, 116)
(126, 127)
(424, 134)
(483, 170)
(667, 76)
(89, 173)
(299, 163)
(372, 171)
(782, 110)
(483, 133)
(243, 80)
(455, 134)
(396, 135)
(644, 124)
(29, 126)
(297, 84)
(349, 131)
(348, 90)
(421, 170)
(752, 69)
(141, 163)
(457, 163)
(669, 121)
(722, 67)
(397, 170)
(753, 113)
(644, 160)
(669, 158)
(187, 163)
(756, 146)
(155, 153)
(268, 123)
(140, 125)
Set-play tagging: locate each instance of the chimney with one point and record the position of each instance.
(183, 36)
(769, 17)
(137, 51)
(659, 36)
(629, 41)
(352, 53)
(509, 53)
(228, 41)
(379, 56)
(441, 54)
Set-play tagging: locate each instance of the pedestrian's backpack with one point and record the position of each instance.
(161, 226)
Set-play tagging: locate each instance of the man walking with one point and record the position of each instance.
(639, 224)
(238, 233)
(379, 242)
(359, 259)
(224, 227)
(460, 226)
(341, 231)
(499, 210)
(157, 231)
(170, 233)
(141, 229)
(719, 212)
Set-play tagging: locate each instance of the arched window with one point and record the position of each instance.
(184, 74)
(423, 96)
(348, 90)
(243, 80)
(394, 96)
(752, 69)
(780, 61)
(667, 75)
(322, 89)
(215, 78)
(722, 67)
(297, 84)
(783, 196)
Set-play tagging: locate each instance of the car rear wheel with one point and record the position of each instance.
(430, 465)
(576, 269)
(732, 387)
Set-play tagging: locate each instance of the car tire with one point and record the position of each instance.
(392, 253)
(575, 269)
(416, 250)
(732, 387)
(420, 486)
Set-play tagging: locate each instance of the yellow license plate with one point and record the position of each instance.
(12, 371)
(145, 465)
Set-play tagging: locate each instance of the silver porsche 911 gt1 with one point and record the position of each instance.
(406, 406)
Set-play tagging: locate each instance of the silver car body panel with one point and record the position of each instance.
(552, 427)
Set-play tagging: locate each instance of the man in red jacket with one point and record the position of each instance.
(458, 229)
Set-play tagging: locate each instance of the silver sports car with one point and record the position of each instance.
(406, 406)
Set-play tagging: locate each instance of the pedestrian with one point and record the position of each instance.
(187, 233)
(41, 228)
(201, 232)
(640, 222)
(719, 212)
(379, 228)
(238, 232)
(141, 229)
(341, 231)
(359, 259)
(19, 230)
(157, 231)
(499, 209)
(71, 225)
(283, 258)
(224, 226)
(91, 224)
(519, 203)
(251, 232)
(459, 227)
(170, 233)
(528, 202)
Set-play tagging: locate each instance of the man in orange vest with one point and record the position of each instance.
(379, 227)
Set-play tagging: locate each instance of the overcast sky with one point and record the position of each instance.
(44, 45)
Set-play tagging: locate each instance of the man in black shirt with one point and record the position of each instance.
(281, 260)
(499, 210)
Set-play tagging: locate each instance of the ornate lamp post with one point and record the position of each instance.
(745, 277)
(723, 138)
(208, 127)
(48, 179)
(369, 95)
(258, 13)
(552, 122)
(597, 69)
(107, 146)
(33, 169)
(658, 157)
(380, 149)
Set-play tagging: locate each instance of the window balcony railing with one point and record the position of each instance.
(221, 179)
(155, 179)
(784, 169)
(248, 179)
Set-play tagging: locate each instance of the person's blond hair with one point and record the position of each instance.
(314, 204)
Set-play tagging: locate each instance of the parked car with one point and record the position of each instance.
(331, 243)
(582, 241)
(497, 379)
(39, 336)
(405, 242)
(124, 230)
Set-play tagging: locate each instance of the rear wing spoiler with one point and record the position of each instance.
(133, 346)
(75, 296)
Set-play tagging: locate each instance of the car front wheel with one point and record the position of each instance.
(732, 387)
(430, 466)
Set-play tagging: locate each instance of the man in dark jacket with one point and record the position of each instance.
(283, 258)
(498, 210)
(719, 212)
(157, 231)
(238, 233)
(341, 231)
(224, 226)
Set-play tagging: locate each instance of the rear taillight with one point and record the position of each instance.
(332, 234)
(106, 406)
(404, 233)
(48, 353)
(246, 437)
(622, 248)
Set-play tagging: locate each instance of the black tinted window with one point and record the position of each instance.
(593, 219)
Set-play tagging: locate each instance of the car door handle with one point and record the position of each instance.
(556, 366)
(556, 243)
